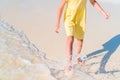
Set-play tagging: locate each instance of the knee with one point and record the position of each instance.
(70, 39)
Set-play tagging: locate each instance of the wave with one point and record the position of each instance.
(22, 60)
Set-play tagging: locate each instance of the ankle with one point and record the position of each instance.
(69, 58)
(77, 56)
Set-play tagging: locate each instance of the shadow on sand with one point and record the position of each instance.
(110, 46)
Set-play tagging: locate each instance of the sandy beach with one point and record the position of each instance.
(37, 21)
(38, 26)
(27, 62)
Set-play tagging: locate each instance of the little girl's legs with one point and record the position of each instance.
(69, 47)
(79, 48)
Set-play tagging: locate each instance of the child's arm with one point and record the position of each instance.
(96, 5)
(60, 10)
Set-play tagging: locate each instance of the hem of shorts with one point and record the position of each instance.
(76, 37)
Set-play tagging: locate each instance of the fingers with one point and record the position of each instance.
(56, 30)
(107, 16)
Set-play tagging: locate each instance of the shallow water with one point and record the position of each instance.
(22, 60)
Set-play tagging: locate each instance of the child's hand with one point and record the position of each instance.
(56, 29)
(106, 15)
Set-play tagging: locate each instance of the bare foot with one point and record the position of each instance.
(80, 62)
(68, 68)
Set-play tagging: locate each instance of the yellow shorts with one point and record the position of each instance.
(75, 23)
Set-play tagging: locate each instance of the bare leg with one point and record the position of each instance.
(69, 46)
(79, 48)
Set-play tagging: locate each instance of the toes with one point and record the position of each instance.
(82, 63)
